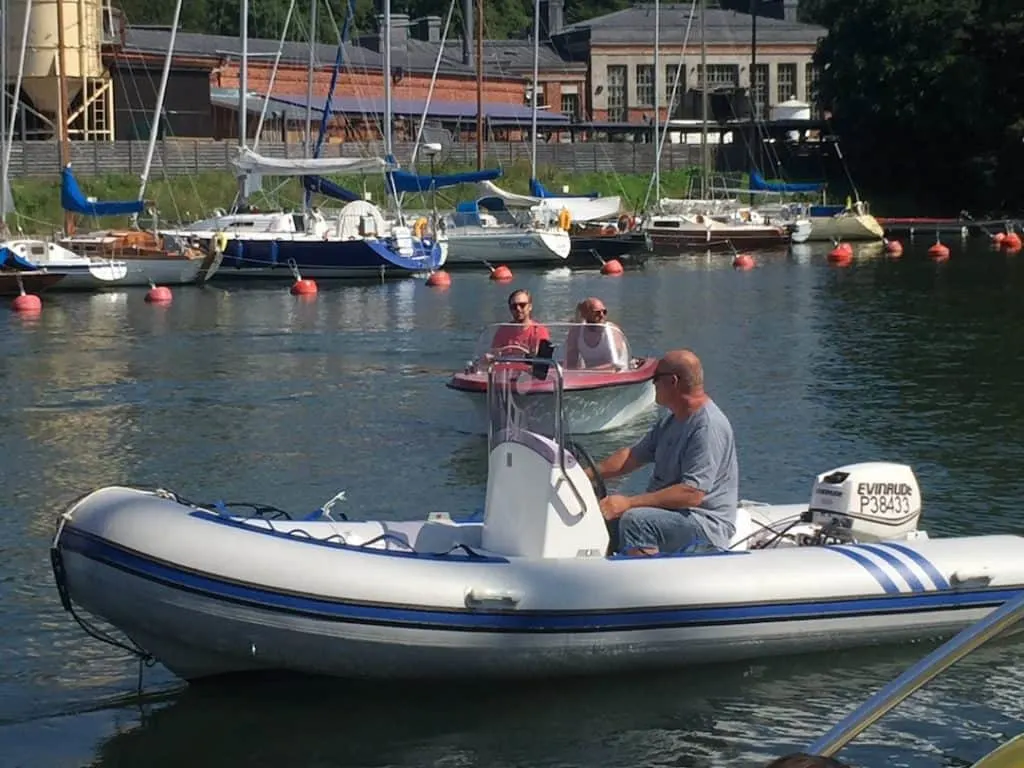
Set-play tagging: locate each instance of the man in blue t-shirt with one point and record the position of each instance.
(693, 492)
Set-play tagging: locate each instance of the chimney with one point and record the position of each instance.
(791, 10)
(399, 31)
(430, 29)
(468, 33)
(552, 17)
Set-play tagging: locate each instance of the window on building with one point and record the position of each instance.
(571, 105)
(617, 93)
(670, 78)
(645, 85)
(719, 75)
(786, 76)
(759, 92)
(811, 78)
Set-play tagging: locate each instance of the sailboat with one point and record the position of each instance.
(27, 264)
(702, 223)
(357, 242)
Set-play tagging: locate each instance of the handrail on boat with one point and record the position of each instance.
(559, 388)
(949, 653)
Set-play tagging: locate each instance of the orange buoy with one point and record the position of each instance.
(998, 238)
(743, 261)
(27, 303)
(939, 252)
(1012, 242)
(159, 294)
(840, 256)
(501, 272)
(304, 287)
(894, 248)
(612, 267)
(439, 279)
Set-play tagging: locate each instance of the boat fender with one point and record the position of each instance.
(220, 242)
(564, 219)
(420, 227)
(491, 598)
(979, 577)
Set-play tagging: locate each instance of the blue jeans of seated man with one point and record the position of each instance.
(669, 530)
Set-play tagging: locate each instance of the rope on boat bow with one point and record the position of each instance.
(60, 577)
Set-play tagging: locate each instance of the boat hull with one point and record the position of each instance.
(351, 259)
(718, 240)
(631, 249)
(592, 401)
(522, 247)
(207, 594)
(33, 282)
(845, 227)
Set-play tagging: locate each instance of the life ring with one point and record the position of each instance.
(420, 227)
(625, 223)
(564, 219)
(220, 242)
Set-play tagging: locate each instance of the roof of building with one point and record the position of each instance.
(294, 108)
(501, 57)
(636, 25)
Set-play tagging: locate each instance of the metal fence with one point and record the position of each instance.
(180, 157)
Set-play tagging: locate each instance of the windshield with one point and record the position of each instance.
(579, 347)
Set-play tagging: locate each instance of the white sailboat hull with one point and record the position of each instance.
(475, 246)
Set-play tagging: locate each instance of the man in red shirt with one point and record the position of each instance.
(523, 334)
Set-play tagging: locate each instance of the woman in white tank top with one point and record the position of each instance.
(598, 343)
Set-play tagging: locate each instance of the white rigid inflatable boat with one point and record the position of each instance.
(524, 588)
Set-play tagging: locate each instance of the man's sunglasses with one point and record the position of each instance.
(519, 304)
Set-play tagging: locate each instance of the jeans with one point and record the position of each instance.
(669, 530)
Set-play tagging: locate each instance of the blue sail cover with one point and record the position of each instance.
(537, 190)
(320, 185)
(757, 182)
(11, 260)
(72, 200)
(404, 181)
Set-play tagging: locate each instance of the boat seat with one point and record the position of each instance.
(744, 529)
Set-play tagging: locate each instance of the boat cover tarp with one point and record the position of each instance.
(253, 162)
(580, 208)
(757, 181)
(73, 200)
(321, 186)
(11, 260)
(405, 181)
(538, 190)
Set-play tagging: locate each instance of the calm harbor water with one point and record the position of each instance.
(251, 394)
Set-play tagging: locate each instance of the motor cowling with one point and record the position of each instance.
(871, 501)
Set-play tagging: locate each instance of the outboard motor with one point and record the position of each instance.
(871, 501)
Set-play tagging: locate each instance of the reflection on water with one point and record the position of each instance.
(251, 394)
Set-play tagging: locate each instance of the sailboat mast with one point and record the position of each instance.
(61, 119)
(387, 80)
(479, 85)
(704, 162)
(309, 77)
(533, 85)
(8, 138)
(3, 117)
(158, 109)
(657, 103)
(754, 141)
(243, 89)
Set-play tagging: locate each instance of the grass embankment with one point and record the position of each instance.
(186, 198)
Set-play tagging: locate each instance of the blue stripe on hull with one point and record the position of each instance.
(519, 621)
(346, 257)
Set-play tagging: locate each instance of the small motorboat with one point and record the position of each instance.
(526, 588)
(614, 390)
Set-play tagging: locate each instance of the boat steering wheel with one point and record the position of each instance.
(510, 348)
(587, 461)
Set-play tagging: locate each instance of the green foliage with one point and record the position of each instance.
(187, 198)
(928, 95)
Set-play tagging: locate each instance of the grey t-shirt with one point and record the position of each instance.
(699, 452)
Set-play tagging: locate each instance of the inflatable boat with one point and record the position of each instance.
(526, 587)
(610, 392)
